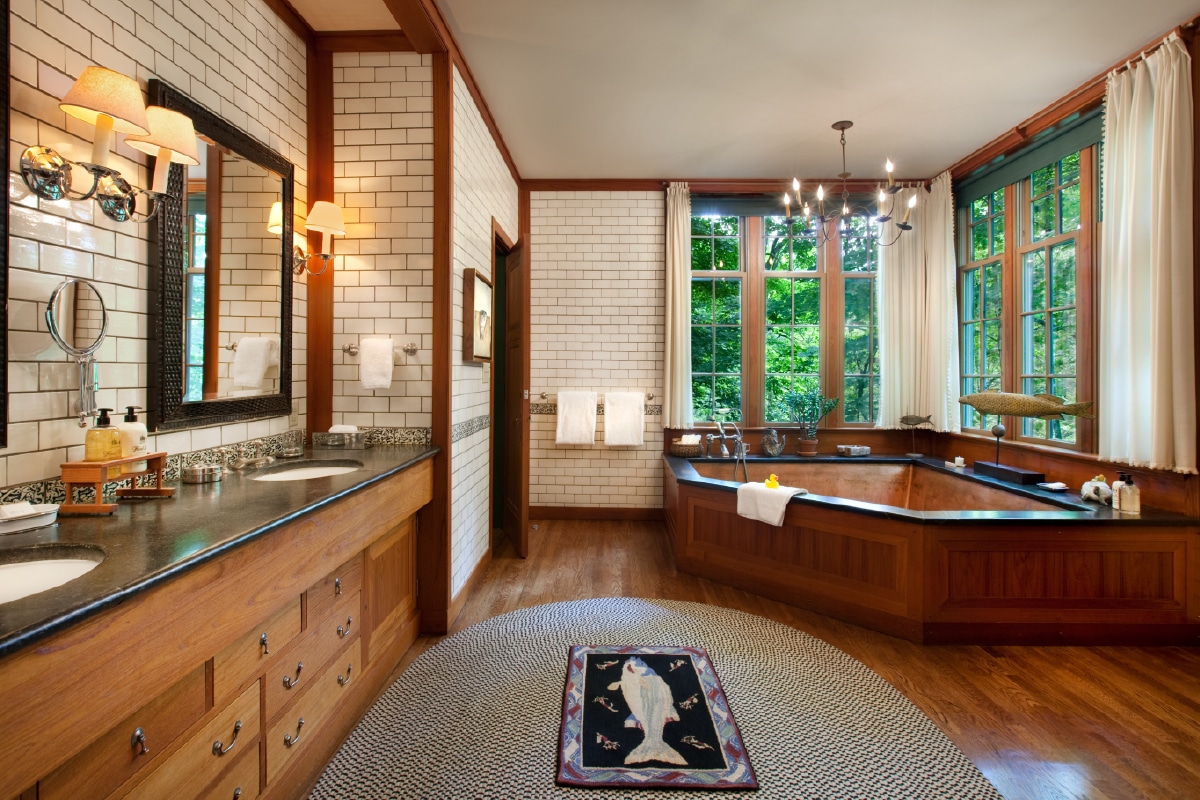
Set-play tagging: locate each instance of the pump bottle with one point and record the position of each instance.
(133, 440)
(103, 441)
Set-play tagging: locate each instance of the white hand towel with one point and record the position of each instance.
(756, 501)
(343, 429)
(250, 361)
(378, 357)
(624, 418)
(576, 418)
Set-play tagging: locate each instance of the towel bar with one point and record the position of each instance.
(545, 396)
(409, 349)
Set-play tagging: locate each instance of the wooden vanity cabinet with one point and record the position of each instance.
(193, 646)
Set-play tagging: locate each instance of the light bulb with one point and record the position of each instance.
(787, 199)
(796, 186)
(890, 166)
(912, 201)
(845, 209)
(820, 192)
(806, 211)
(882, 197)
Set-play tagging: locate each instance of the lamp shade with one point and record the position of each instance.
(169, 130)
(102, 91)
(326, 217)
(275, 218)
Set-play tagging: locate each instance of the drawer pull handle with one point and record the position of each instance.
(288, 681)
(344, 632)
(262, 641)
(237, 793)
(219, 750)
(337, 585)
(290, 740)
(138, 740)
(345, 679)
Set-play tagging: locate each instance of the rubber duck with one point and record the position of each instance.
(772, 481)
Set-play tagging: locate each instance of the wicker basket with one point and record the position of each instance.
(685, 450)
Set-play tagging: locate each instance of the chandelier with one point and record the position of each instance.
(825, 224)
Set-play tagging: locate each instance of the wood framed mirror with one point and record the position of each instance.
(4, 244)
(221, 332)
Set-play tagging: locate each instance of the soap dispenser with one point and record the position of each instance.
(1131, 497)
(133, 440)
(103, 441)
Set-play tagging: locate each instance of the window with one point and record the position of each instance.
(773, 313)
(1025, 292)
(194, 262)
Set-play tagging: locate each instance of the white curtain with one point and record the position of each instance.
(1146, 398)
(918, 315)
(677, 363)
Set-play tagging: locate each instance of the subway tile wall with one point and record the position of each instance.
(383, 179)
(596, 322)
(237, 58)
(484, 189)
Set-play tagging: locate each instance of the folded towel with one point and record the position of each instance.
(251, 360)
(343, 429)
(624, 418)
(378, 360)
(756, 501)
(576, 418)
(16, 510)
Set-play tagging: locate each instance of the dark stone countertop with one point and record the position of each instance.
(146, 542)
(1074, 509)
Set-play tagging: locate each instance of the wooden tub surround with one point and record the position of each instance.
(227, 644)
(918, 551)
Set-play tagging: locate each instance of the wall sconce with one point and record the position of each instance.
(111, 102)
(326, 219)
(172, 139)
(275, 218)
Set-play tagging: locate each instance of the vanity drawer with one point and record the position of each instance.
(240, 781)
(289, 734)
(290, 676)
(333, 588)
(117, 755)
(195, 764)
(242, 660)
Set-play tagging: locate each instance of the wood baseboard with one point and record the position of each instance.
(459, 600)
(595, 513)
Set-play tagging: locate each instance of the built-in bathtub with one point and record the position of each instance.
(937, 555)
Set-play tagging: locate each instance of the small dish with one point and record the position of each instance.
(1054, 486)
(41, 516)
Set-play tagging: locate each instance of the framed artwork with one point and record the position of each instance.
(477, 317)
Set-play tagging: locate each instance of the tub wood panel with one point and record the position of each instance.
(830, 564)
(946, 581)
(885, 484)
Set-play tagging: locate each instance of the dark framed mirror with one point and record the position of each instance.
(4, 243)
(221, 332)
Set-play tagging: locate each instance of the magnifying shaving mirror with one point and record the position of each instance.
(78, 323)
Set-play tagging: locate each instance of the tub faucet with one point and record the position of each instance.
(739, 449)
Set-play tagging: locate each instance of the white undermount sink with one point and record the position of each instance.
(27, 571)
(309, 469)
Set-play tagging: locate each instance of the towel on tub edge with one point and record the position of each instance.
(756, 501)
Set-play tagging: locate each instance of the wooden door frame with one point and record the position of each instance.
(501, 243)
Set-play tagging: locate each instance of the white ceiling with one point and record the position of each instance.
(346, 15)
(749, 88)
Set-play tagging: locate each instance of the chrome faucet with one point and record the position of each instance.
(242, 462)
(739, 449)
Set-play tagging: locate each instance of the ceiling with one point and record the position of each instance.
(749, 88)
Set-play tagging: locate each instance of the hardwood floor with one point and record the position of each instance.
(1040, 722)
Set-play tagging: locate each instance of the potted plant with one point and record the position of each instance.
(808, 408)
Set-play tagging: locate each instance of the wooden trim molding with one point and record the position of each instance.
(499, 234)
(363, 42)
(319, 385)
(1082, 98)
(291, 17)
(700, 185)
(595, 513)
(433, 545)
(464, 594)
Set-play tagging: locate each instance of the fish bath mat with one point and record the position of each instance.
(648, 716)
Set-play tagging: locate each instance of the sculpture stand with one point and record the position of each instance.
(994, 469)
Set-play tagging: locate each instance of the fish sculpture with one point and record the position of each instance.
(1045, 406)
(913, 420)
(649, 698)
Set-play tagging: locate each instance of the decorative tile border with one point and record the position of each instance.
(551, 409)
(51, 490)
(472, 426)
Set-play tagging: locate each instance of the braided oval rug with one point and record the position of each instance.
(478, 714)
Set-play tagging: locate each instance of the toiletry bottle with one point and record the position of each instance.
(1116, 490)
(103, 441)
(1131, 497)
(133, 440)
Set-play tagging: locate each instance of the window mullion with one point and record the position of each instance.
(1085, 296)
(754, 323)
(832, 333)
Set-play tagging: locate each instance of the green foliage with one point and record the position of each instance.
(809, 407)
